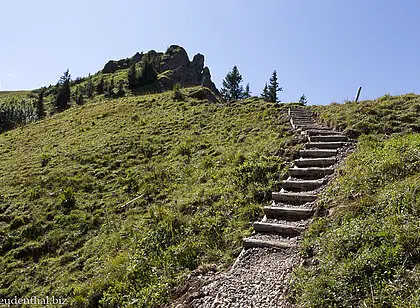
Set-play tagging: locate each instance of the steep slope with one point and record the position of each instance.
(197, 171)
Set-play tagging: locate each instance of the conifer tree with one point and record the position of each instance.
(303, 100)
(89, 88)
(120, 91)
(100, 86)
(39, 105)
(78, 96)
(232, 88)
(247, 92)
(132, 76)
(273, 88)
(62, 101)
(265, 95)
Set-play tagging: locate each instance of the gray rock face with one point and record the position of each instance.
(173, 66)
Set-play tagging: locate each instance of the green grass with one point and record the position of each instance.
(202, 171)
(385, 115)
(366, 253)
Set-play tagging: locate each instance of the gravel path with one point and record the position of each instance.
(259, 278)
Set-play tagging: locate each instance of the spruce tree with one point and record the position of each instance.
(303, 100)
(62, 101)
(100, 86)
(132, 77)
(39, 105)
(273, 88)
(247, 92)
(89, 88)
(265, 95)
(232, 88)
(120, 91)
(78, 96)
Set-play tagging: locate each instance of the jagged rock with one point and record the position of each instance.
(113, 66)
(207, 82)
(172, 67)
(110, 67)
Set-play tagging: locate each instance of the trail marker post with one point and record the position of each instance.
(358, 94)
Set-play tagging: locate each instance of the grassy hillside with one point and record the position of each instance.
(6, 95)
(201, 171)
(366, 252)
(385, 115)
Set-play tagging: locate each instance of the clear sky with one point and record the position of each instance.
(323, 48)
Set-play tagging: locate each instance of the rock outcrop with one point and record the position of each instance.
(172, 67)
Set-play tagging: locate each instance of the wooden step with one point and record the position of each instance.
(315, 162)
(324, 145)
(301, 185)
(290, 213)
(266, 243)
(310, 173)
(318, 153)
(317, 132)
(328, 138)
(293, 198)
(282, 229)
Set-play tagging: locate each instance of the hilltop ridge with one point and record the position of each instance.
(172, 66)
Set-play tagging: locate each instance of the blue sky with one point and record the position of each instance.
(324, 48)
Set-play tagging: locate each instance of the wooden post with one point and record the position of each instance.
(358, 94)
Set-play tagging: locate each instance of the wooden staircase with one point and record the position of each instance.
(293, 206)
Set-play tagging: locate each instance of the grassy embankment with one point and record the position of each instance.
(366, 253)
(202, 171)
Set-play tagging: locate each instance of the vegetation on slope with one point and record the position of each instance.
(202, 171)
(366, 252)
(385, 115)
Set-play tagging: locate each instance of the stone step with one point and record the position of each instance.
(315, 162)
(310, 173)
(328, 138)
(317, 153)
(282, 229)
(303, 185)
(317, 132)
(293, 198)
(266, 243)
(324, 145)
(289, 213)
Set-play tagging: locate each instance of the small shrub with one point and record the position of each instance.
(177, 94)
(67, 200)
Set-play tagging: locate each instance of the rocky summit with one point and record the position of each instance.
(172, 67)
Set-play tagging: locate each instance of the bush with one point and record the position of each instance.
(177, 94)
(67, 200)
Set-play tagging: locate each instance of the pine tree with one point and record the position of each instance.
(100, 86)
(232, 88)
(273, 88)
(78, 96)
(265, 95)
(89, 88)
(303, 100)
(247, 92)
(120, 91)
(132, 77)
(39, 105)
(62, 101)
